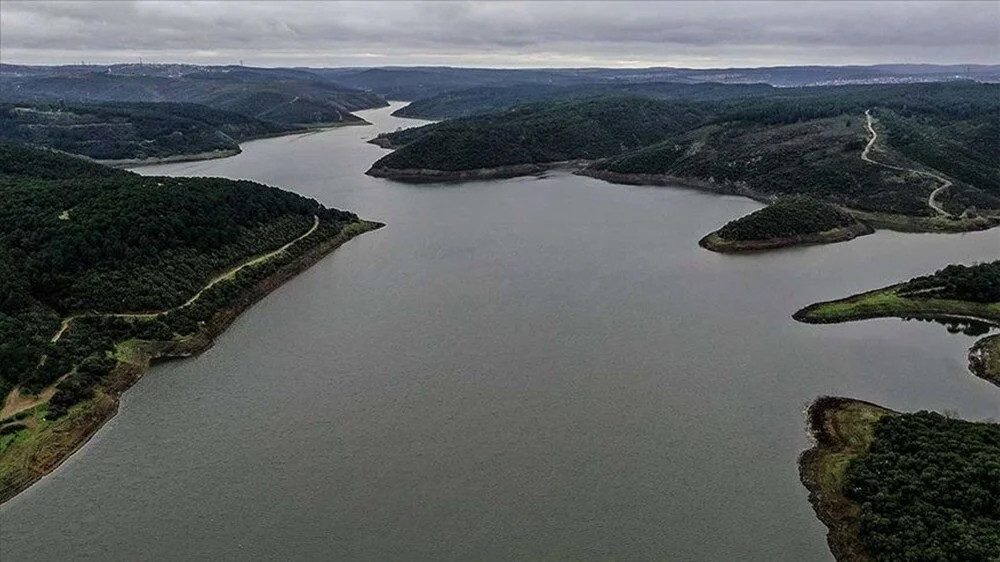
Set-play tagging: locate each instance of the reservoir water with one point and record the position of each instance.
(534, 368)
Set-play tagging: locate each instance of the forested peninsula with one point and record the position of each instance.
(918, 157)
(103, 270)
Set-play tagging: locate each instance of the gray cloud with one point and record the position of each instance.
(697, 34)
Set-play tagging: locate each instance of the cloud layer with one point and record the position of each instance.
(509, 34)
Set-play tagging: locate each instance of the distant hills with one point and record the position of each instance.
(133, 131)
(412, 83)
(286, 96)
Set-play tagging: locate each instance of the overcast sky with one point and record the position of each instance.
(500, 34)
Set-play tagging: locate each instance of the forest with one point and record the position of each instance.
(803, 141)
(283, 95)
(125, 130)
(78, 237)
(976, 283)
(786, 217)
(929, 490)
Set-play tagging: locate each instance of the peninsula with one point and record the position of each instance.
(954, 292)
(82, 316)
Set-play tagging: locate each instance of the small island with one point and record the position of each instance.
(885, 482)
(121, 270)
(789, 221)
(956, 292)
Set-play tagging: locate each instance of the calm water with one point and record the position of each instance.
(529, 368)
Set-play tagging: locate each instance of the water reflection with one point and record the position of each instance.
(957, 325)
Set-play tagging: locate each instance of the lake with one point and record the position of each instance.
(540, 368)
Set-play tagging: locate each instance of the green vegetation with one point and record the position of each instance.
(957, 291)
(488, 99)
(131, 131)
(131, 244)
(540, 133)
(763, 144)
(903, 487)
(282, 95)
(788, 221)
(928, 487)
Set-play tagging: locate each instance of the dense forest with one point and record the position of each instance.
(977, 283)
(803, 141)
(543, 132)
(283, 95)
(119, 131)
(929, 490)
(77, 237)
(786, 217)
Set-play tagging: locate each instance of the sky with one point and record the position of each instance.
(501, 34)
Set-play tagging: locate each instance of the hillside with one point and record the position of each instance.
(132, 131)
(540, 133)
(931, 167)
(287, 96)
(103, 270)
(789, 221)
(486, 99)
(110, 241)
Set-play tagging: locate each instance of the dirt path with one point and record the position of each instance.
(222, 277)
(932, 200)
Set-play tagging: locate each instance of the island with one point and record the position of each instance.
(789, 221)
(956, 292)
(887, 483)
(103, 270)
(906, 157)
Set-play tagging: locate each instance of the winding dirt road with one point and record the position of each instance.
(222, 277)
(932, 200)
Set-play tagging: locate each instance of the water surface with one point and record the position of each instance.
(527, 368)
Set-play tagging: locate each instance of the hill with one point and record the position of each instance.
(487, 99)
(102, 270)
(133, 131)
(525, 138)
(287, 96)
(789, 221)
(930, 164)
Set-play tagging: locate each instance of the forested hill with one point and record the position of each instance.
(78, 237)
(131, 131)
(806, 142)
(543, 132)
(486, 99)
(287, 96)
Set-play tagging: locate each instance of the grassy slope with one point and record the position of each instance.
(843, 429)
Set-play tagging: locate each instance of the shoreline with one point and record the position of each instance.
(716, 243)
(838, 428)
(54, 444)
(426, 175)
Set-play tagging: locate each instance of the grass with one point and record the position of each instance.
(843, 429)
(887, 303)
